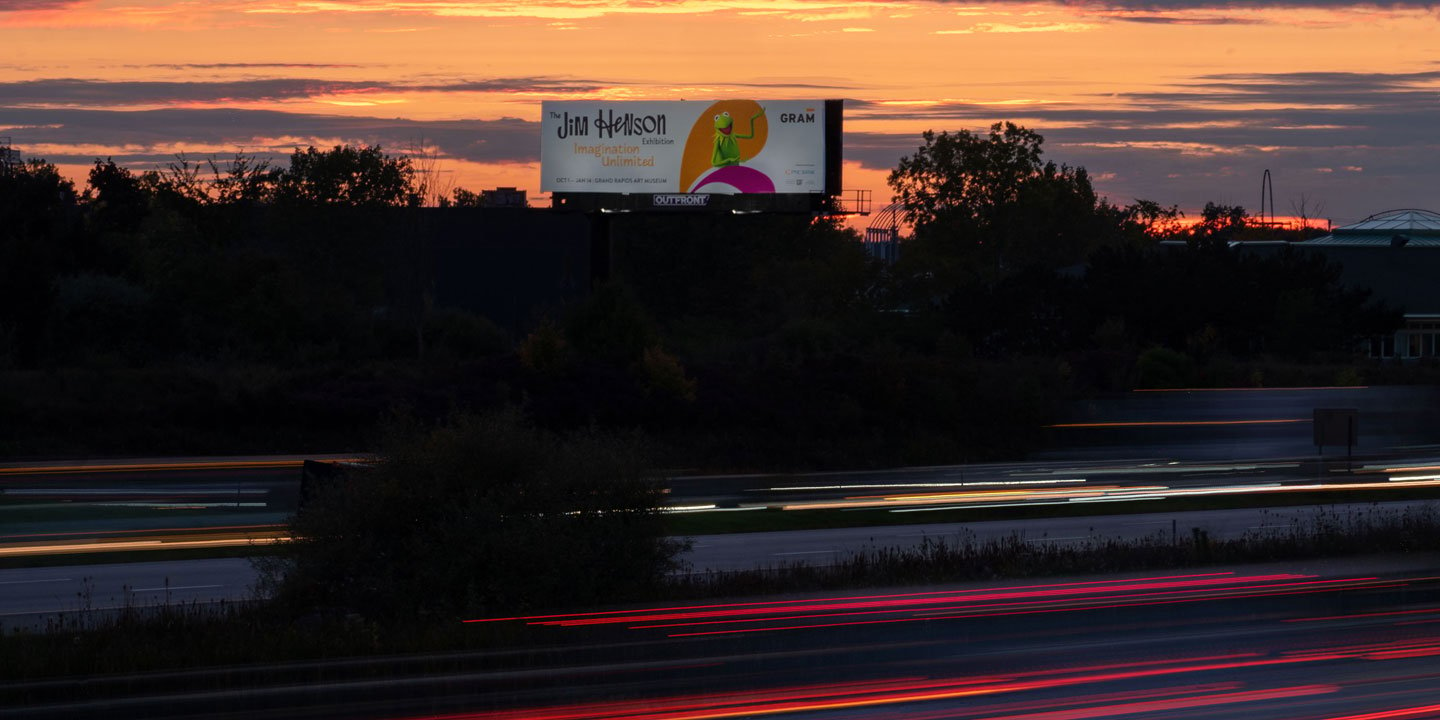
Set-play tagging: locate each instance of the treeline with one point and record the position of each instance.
(245, 307)
(256, 264)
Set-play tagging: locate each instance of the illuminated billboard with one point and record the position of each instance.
(665, 148)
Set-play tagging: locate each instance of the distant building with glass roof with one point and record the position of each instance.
(1396, 254)
(1398, 228)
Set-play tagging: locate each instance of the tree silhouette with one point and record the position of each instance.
(119, 200)
(1219, 224)
(985, 207)
(461, 197)
(244, 181)
(348, 175)
(964, 176)
(40, 210)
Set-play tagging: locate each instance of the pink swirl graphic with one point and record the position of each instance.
(744, 179)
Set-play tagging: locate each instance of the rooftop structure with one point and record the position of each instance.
(8, 155)
(1398, 228)
(1379, 252)
(504, 197)
(882, 237)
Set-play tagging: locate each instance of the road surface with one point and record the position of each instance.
(32, 597)
(1350, 642)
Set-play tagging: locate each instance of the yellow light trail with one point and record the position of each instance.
(973, 499)
(168, 466)
(1162, 493)
(135, 545)
(1397, 468)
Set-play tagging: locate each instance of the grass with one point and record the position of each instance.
(1326, 533)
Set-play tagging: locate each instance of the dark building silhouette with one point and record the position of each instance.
(508, 265)
(1396, 254)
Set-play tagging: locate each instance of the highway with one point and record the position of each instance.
(1353, 641)
(1201, 424)
(171, 505)
(1324, 640)
(61, 507)
(189, 503)
(1120, 448)
(33, 596)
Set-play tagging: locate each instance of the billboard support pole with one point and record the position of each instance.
(600, 248)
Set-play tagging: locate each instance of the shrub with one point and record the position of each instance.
(484, 513)
(1161, 367)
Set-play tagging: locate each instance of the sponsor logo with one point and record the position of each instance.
(687, 200)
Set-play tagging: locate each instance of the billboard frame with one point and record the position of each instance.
(813, 203)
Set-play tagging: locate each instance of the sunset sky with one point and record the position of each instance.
(1175, 101)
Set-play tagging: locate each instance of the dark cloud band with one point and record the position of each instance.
(21, 5)
(73, 92)
(503, 140)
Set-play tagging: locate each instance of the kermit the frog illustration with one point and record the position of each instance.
(726, 150)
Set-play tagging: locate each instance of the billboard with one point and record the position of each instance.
(671, 147)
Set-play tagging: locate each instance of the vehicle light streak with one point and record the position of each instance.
(1119, 498)
(129, 545)
(210, 528)
(964, 507)
(1174, 601)
(1249, 389)
(1037, 609)
(906, 603)
(1177, 468)
(1108, 595)
(996, 609)
(1176, 704)
(1179, 423)
(905, 698)
(933, 502)
(105, 492)
(915, 607)
(1396, 468)
(1070, 489)
(1410, 712)
(1088, 491)
(168, 466)
(820, 698)
(1088, 583)
(692, 702)
(884, 486)
(183, 505)
(1357, 616)
(981, 498)
(1137, 493)
(1422, 647)
(1100, 699)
